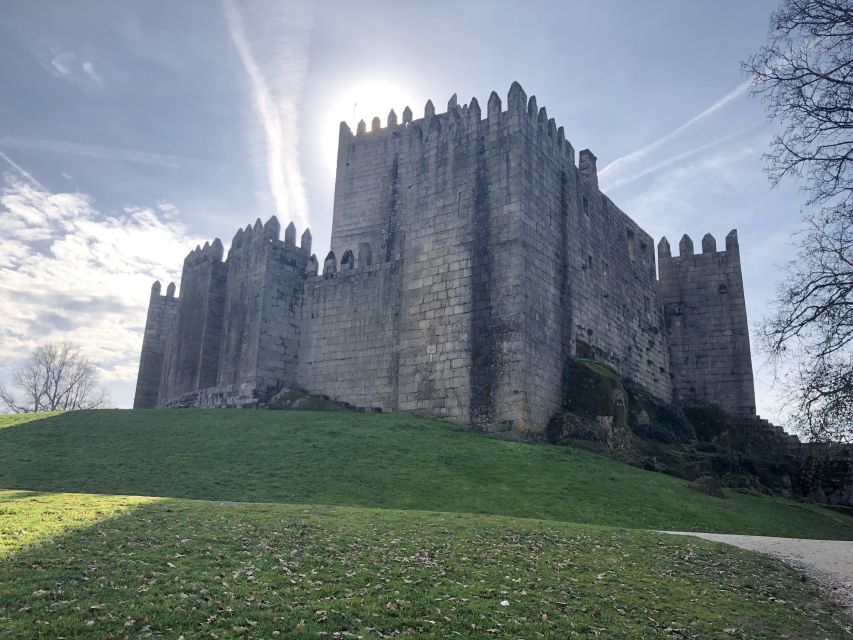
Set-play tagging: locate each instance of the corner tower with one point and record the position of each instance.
(706, 321)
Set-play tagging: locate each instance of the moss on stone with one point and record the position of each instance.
(298, 400)
(595, 405)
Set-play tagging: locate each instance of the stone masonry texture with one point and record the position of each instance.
(471, 257)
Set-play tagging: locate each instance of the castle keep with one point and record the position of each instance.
(471, 256)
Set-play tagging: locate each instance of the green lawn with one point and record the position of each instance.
(88, 566)
(368, 460)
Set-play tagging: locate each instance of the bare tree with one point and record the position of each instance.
(56, 377)
(804, 73)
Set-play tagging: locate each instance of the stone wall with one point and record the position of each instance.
(350, 332)
(192, 352)
(706, 324)
(263, 308)
(442, 193)
(588, 271)
(158, 325)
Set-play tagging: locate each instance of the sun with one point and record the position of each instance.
(363, 100)
(370, 99)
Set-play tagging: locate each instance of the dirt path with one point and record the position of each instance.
(828, 562)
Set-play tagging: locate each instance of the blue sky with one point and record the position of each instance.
(130, 131)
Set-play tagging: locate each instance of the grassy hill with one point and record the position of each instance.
(85, 566)
(369, 460)
(472, 540)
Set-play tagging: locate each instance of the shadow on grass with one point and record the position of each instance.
(135, 566)
(12, 496)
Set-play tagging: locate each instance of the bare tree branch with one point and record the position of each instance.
(56, 377)
(804, 74)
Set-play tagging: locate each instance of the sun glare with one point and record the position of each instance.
(364, 101)
(371, 99)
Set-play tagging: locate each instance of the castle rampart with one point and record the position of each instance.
(706, 321)
(192, 355)
(158, 326)
(470, 258)
(350, 344)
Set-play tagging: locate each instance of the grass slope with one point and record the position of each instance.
(86, 566)
(391, 461)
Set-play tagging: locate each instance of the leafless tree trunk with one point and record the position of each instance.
(56, 377)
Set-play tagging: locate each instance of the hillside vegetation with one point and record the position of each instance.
(391, 461)
(83, 566)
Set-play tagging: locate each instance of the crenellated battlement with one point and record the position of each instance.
(352, 261)
(156, 288)
(207, 254)
(260, 236)
(521, 111)
(709, 247)
(706, 319)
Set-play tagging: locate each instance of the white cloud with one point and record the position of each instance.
(71, 272)
(66, 65)
(276, 102)
(89, 70)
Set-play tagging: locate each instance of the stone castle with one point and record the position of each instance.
(471, 258)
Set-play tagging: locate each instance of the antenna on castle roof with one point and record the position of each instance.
(429, 109)
(392, 118)
(407, 116)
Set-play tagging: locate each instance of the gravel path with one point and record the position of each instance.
(828, 562)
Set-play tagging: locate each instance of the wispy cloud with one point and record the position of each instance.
(104, 153)
(276, 108)
(66, 65)
(20, 170)
(642, 172)
(625, 169)
(70, 271)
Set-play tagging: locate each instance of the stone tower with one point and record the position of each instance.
(706, 323)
